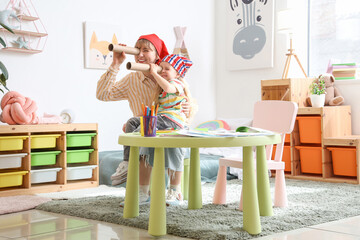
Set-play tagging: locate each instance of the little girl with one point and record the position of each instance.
(172, 92)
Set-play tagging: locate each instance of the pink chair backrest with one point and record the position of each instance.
(277, 116)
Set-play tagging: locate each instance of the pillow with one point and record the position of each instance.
(214, 124)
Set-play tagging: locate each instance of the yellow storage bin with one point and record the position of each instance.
(11, 143)
(44, 141)
(10, 179)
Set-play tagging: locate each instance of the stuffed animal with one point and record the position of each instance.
(333, 96)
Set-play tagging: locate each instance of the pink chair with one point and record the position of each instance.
(276, 116)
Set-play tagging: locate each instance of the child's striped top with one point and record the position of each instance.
(170, 104)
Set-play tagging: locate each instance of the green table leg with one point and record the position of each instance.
(185, 179)
(263, 185)
(157, 218)
(131, 208)
(251, 216)
(195, 195)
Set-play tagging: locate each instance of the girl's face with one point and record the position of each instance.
(147, 53)
(168, 72)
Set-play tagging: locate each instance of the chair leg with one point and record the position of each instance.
(220, 187)
(280, 198)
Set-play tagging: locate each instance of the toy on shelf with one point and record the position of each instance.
(19, 110)
(332, 96)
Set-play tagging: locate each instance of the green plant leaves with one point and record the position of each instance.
(7, 28)
(2, 42)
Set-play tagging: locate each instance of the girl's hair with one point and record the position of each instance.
(189, 99)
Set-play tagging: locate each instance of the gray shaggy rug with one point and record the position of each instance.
(310, 203)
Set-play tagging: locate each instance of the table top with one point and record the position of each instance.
(134, 139)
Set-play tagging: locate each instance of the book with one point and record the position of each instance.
(345, 78)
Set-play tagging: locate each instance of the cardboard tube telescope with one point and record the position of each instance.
(126, 49)
(140, 67)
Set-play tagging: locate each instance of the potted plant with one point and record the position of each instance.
(4, 76)
(317, 92)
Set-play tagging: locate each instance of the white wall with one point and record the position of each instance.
(237, 91)
(56, 78)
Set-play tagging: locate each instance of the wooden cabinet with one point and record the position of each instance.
(309, 156)
(53, 139)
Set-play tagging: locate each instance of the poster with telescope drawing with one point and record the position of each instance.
(250, 34)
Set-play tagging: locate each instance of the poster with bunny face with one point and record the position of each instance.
(250, 33)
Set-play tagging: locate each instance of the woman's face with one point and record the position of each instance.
(147, 53)
(168, 72)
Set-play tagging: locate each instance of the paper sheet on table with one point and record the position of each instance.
(224, 133)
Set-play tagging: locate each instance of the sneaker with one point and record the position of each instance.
(121, 173)
(118, 181)
(173, 197)
(143, 199)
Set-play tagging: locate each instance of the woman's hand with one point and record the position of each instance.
(118, 58)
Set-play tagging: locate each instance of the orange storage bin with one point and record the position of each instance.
(344, 161)
(309, 129)
(285, 158)
(287, 138)
(310, 159)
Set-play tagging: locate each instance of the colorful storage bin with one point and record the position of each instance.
(309, 129)
(78, 156)
(44, 175)
(310, 159)
(79, 139)
(344, 161)
(44, 141)
(44, 158)
(11, 179)
(82, 172)
(11, 143)
(11, 160)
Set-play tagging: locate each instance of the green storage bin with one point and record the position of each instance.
(43, 158)
(79, 139)
(78, 156)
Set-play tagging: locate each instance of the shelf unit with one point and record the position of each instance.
(61, 183)
(30, 29)
(335, 122)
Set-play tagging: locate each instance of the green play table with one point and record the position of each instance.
(256, 190)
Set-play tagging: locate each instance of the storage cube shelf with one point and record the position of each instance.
(44, 175)
(44, 141)
(79, 139)
(11, 179)
(11, 143)
(44, 158)
(11, 160)
(34, 158)
(78, 156)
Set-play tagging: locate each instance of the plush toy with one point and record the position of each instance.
(17, 109)
(333, 96)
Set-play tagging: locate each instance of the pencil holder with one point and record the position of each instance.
(149, 126)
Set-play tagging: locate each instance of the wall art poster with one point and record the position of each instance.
(250, 34)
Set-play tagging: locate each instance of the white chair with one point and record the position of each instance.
(276, 116)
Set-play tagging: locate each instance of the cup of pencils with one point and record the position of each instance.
(148, 121)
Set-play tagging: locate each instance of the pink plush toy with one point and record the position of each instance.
(17, 109)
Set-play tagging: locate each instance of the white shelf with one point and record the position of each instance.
(22, 50)
(27, 18)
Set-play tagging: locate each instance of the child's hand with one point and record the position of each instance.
(153, 68)
(118, 58)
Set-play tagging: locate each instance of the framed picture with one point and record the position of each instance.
(250, 34)
(97, 37)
